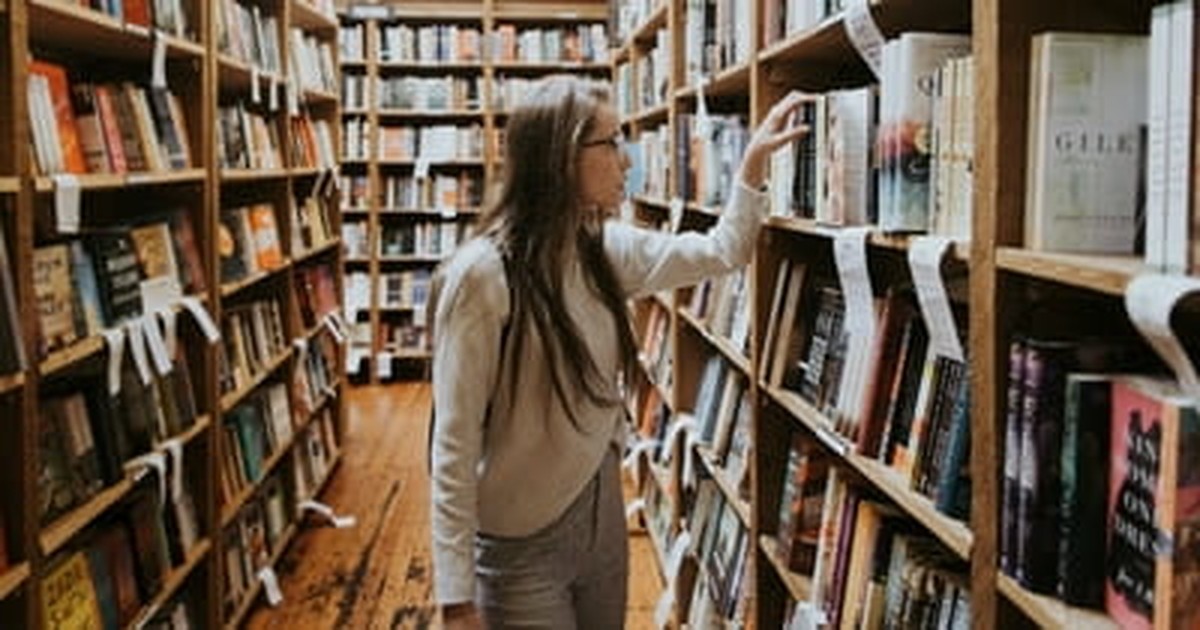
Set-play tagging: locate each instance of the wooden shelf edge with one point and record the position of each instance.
(80, 350)
(172, 583)
(562, 12)
(952, 533)
(308, 17)
(650, 115)
(11, 382)
(1049, 612)
(799, 586)
(317, 252)
(63, 529)
(251, 595)
(725, 485)
(1103, 274)
(429, 113)
(241, 175)
(723, 345)
(113, 181)
(10, 185)
(233, 288)
(13, 579)
(232, 399)
(959, 250)
(111, 27)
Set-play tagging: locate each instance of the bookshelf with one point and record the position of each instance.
(461, 88)
(997, 281)
(297, 102)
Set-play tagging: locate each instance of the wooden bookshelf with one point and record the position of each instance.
(10, 185)
(72, 354)
(119, 181)
(799, 586)
(172, 583)
(1004, 280)
(725, 485)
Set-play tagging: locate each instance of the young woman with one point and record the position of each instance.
(532, 339)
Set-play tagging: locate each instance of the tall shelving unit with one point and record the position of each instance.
(93, 46)
(999, 281)
(371, 353)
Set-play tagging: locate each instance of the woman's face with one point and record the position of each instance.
(603, 162)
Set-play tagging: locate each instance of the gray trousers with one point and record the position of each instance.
(572, 574)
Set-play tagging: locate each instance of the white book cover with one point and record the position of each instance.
(845, 157)
(1157, 157)
(1085, 136)
(1179, 137)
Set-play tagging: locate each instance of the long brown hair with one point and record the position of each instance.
(537, 220)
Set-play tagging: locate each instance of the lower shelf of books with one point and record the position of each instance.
(1050, 612)
(13, 579)
(172, 583)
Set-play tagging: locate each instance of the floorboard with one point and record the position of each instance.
(377, 574)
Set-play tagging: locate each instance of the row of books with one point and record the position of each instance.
(652, 72)
(784, 18)
(253, 431)
(120, 565)
(312, 221)
(722, 552)
(317, 374)
(249, 242)
(891, 396)
(247, 140)
(722, 305)
(448, 93)
(421, 239)
(168, 16)
(656, 353)
(708, 152)
(356, 139)
(630, 14)
(625, 94)
(582, 43)
(436, 143)
(12, 344)
(352, 41)
(316, 286)
(508, 92)
(461, 191)
(651, 162)
(82, 127)
(404, 289)
(356, 240)
(442, 42)
(863, 163)
(248, 34)
(312, 144)
(356, 190)
(86, 440)
(107, 278)
(1098, 466)
(716, 36)
(253, 338)
(356, 300)
(311, 60)
(354, 91)
(722, 413)
(870, 566)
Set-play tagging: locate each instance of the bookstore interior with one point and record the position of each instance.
(956, 386)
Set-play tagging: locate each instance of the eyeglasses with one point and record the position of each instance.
(616, 141)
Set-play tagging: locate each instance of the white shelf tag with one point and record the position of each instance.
(137, 348)
(158, 62)
(273, 94)
(1150, 300)
(156, 344)
(66, 203)
(865, 35)
(255, 87)
(270, 583)
(203, 318)
(676, 212)
(338, 522)
(635, 506)
(925, 255)
(850, 255)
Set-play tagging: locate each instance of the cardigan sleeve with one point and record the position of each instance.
(647, 261)
(469, 320)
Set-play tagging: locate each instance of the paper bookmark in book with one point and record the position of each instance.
(684, 423)
(676, 211)
(634, 506)
(114, 338)
(383, 365)
(421, 169)
(156, 344)
(338, 522)
(270, 583)
(158, 61)
(292, 97)
(1150, 299)
(925, 255)
(864, 34)
(679, 548)
(137, 349)
(66, 203)
(203, 318)
(639, 447)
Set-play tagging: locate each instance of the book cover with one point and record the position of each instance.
(118, 274)
(62, 113)
(68, 595)
(265, 236)
(53, 293)
(1087, 112)
(1082, 544)
(161, 286)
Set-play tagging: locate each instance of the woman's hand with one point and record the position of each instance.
(462, 616)
(777, 129)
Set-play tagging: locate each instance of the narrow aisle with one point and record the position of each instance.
(377, 574)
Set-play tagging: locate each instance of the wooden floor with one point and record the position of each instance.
(377, 574)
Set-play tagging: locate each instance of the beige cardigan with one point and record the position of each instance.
(518, 471)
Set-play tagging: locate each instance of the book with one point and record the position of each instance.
(1082, 546)
(1153, 497)
(68, 595)
(118, 274)
(55, 302)
(1087, 111)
